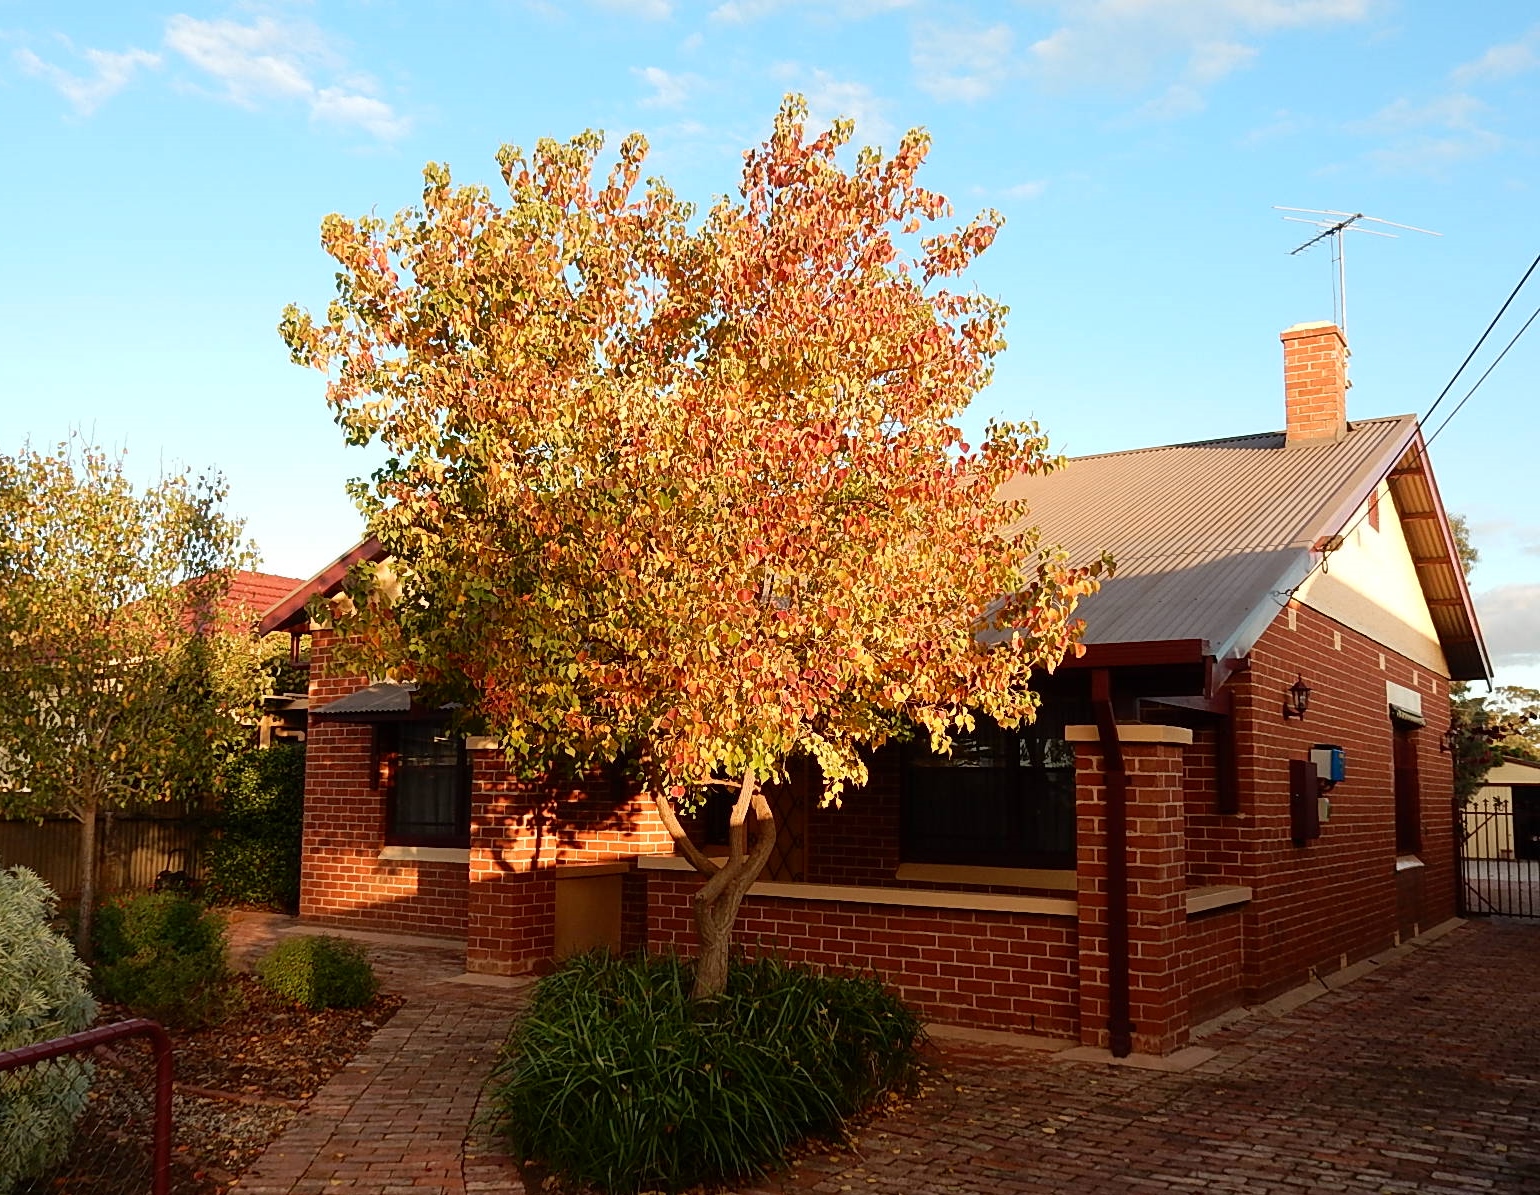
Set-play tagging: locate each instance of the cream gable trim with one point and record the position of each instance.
(1370, 584)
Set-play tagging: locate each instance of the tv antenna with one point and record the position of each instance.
(1332, 224)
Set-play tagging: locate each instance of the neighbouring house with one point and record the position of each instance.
(1512, 788)
(135, 846)
(1237, 787)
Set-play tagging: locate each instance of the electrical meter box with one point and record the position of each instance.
(1330, 762)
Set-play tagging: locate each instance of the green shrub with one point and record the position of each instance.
(43, 995)
(614, 1078)
(319, 972)
(163, 954)
(254, 860)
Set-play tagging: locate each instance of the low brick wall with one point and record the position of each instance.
(993, 970)
(1215, 963)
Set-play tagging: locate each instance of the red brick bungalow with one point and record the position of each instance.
(1166, 843)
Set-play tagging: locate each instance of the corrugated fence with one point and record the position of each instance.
(132, 850)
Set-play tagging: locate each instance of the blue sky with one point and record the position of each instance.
(169, 168)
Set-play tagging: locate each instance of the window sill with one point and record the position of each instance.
(918, 898)
(425, 854)
(1216, 896)
(1054, 880)
(1408, 863)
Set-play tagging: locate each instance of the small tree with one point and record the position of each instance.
(120, 675)
(1485, 730)
(690, 496)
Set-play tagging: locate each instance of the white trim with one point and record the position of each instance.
(1216, 896)
(1408, 863)
(425, 854)
(1047, 906)
(1133, 732)
(1055, 880)
(481, 742)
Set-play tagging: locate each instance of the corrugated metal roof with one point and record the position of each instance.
(381, 699)
(1205, 534)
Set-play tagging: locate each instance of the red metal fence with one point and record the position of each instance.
(89, 1039)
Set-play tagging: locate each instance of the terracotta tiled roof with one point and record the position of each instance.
(255, 593)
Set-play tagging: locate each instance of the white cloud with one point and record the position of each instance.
(1182, 46)
(960, 63)
(1510, 621)
(1429, 137)
(271, 60)
(829, 98)
(648, 10)
(1027, 190)
(110, 73)
(1453, 111)
(668, 90)
(740, 11)
(1502, 61)
(331, 105)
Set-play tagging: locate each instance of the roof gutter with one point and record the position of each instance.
(1120, 1029)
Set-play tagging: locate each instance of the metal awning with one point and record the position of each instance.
(383, 701)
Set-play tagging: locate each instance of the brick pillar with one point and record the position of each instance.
(1157, 884)
(511, 922)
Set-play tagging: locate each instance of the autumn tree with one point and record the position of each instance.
(118, 673)
(690, 494)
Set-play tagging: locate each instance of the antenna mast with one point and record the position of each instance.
(1332, 224)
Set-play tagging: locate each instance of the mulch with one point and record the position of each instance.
(239, 1084)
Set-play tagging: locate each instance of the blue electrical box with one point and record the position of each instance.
(1330, 762)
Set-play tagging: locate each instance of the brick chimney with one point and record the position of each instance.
(1315, 383)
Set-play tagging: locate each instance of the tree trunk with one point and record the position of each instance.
(87, 881)
(716, 905)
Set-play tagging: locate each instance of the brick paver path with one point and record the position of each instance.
(1423, 1076)
(403, 1116)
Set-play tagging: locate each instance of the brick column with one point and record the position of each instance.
(512, 909)
(1157, 885)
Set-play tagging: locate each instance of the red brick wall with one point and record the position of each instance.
(521, 830)
(1213, 963)
(1157, 908)
(964, 967)
(1216, 842)
(1339, 896)
(343, 880)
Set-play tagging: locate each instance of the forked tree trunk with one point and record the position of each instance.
(87, 881)
(716, 905)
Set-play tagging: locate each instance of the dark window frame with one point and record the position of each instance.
(1406, 787)
(389, 739)
(1024, 784)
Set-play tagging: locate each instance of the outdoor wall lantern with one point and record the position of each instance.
(1297, 700)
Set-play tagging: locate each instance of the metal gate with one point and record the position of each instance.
(1500, 854)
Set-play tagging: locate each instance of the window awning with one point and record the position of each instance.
(383, 701)
(1399, 713)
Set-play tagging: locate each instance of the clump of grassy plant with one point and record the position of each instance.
(616, 1079)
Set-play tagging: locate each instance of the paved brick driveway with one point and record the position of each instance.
(1423, 1075)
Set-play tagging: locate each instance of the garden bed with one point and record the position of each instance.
(264, 1061)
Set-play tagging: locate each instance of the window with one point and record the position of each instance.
(427, 800)
(1407, 790)
(1003, 798)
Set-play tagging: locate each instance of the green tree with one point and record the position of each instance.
(1459, 527)
(121, 678)
(691, 495)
